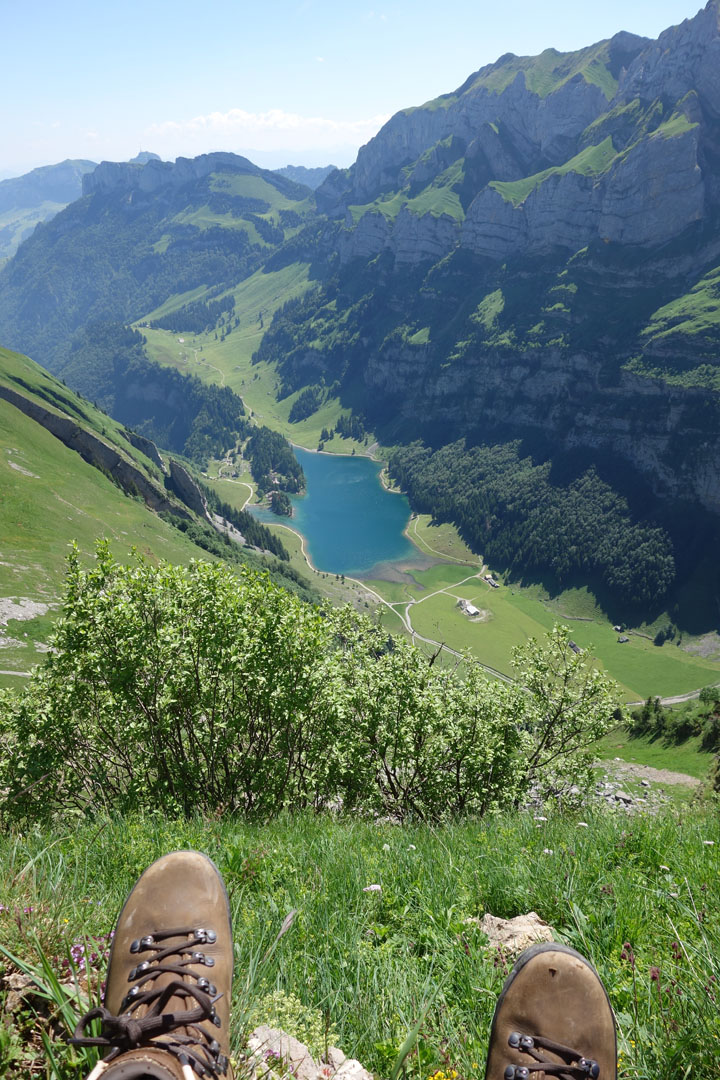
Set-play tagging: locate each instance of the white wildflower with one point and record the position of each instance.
(386, 847)
(373, 888)
(548, 851)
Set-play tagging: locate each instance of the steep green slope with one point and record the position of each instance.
(51, 496)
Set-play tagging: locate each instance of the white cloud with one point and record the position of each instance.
(240, 123)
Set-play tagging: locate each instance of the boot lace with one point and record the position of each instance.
(178, 1033)
(575, 1066)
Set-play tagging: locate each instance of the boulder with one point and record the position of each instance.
(515, 935)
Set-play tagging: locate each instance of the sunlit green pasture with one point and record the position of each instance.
(229, 362)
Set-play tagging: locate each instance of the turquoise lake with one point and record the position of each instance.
(349, 521)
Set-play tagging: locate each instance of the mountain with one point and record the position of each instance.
(37, 196)
(522, 276)
(140, 234)
(536, 256)
(311, 178)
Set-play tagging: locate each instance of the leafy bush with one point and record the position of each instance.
(181, 689)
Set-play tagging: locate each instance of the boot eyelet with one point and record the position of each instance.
(526, 1042)
(197, 957)
(148, 941)
(203, 984)
(209, 961)
(212, 990)
(211, 937)
(135, 946)
(514, 1040)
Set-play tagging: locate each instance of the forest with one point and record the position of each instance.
(509, 508)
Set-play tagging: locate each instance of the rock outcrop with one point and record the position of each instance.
(658, 101)
(98, 453)
(187, 490)
(155, 174)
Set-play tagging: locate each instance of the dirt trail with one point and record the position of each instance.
(647, 772)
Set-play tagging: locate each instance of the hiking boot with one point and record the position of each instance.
(553, 1018)
(167, 1003)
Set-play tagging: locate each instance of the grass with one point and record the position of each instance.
(687, 325)
(516, 614)
(229, 362)
(368, 964)
(51, 497)
(550, 70)
(684, 757)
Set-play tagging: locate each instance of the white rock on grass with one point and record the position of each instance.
(274, 1053)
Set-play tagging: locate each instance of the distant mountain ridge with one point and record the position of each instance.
(39, 195)
(141, 233)
(312, 178)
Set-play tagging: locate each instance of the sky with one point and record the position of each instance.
(303, 82)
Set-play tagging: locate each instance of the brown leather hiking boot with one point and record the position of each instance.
(553, 1018)
(167, 1003)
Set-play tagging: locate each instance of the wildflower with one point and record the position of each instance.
(386, 847)
(548, 851)
(541, 817)
(411, 847)
(710, 843)
(655, 974)
(373, 888)
(628, 954)
(583, 825)
(663, 867)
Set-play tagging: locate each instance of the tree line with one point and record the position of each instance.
(509, 509)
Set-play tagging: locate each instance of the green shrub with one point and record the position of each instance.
(196, 688)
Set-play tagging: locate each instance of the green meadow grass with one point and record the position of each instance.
(51, 497)
(367, 965)
(516, 614)
(684, 757)
(592, 161)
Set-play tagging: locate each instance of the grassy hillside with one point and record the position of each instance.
(50, 497)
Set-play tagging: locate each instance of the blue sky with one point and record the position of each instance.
(284, 81)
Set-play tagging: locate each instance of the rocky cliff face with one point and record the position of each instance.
(670, 434)
(153, 175)
(98, 453)
(520, 124)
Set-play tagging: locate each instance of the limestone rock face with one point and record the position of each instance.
(651, 195)
(660, 184)
(96, 452)
(655, 192)
(186, 489)
(684, 58)
(415, 239)
(156, 174)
